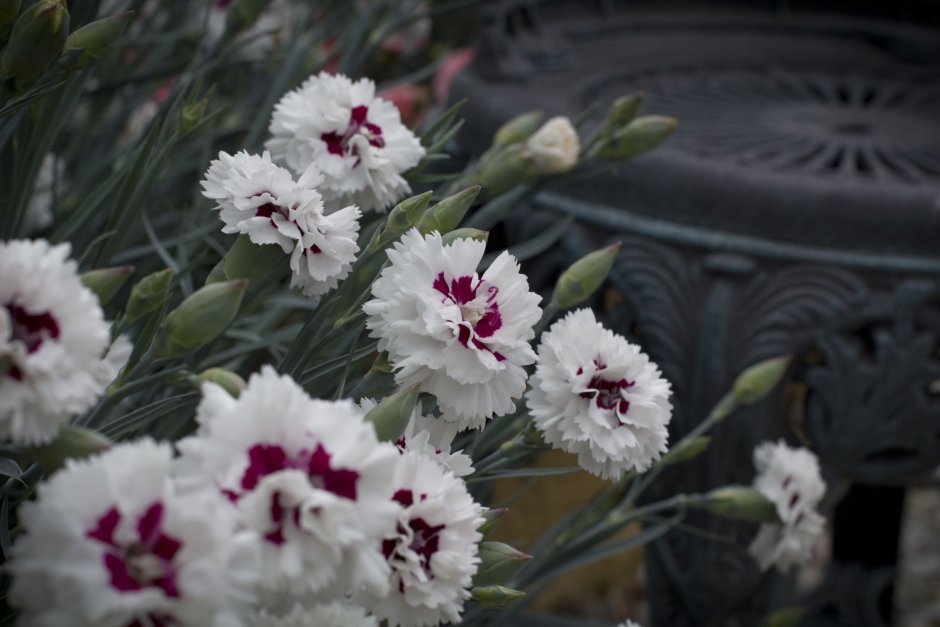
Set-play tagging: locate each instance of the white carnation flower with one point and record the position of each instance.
(262, 200)
(109, 543)
(325, 255)
(335, 614)
(790, 478)
(433, 551)
(431, 437)
(355, 139)
(52, 338)
(308, 476)
(595, 394)
(462, 336)
(554, 148)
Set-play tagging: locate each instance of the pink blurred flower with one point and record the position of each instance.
(455, 63)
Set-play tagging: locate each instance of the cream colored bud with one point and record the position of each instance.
(554, 148)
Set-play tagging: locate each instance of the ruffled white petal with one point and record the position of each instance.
(463, 337)
(791, 480)
(85, 560)
(307, 476)
(433, 552)
(53, 336)
(596, 395)
(362, 153)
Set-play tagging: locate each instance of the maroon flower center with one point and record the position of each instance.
(480, 317)
(267, 459)
(32, 329)
(425, 538)
(607, 394)
(144, 563)
(359, 124)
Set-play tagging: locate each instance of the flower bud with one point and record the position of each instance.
(148, 295)
(105, 282)
(686, 450)
(518, 129)
(36, 40)
(583, 277)
(554, 148)
(226, 379)
(623, 110)
(498, 562)
(502, 169)
(193, 113)
(448, 213)
(639, 136)
(465, 233)
(391, 415)
(740, 503)
(495, 597)
(71, 443)
(247, 260)
(759, 380)
(89, 42)
(9, 9)
(203, 316)
(403, 216)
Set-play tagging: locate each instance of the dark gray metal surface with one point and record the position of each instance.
(796, 210)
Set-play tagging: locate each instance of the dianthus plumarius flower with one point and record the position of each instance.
(790, 479)
(53, 342)
(262, 200)
(431, 437)
(355, 139)
(597, 395)
(307, 476)
(554, 148)
(432, 551)
(464, 337)
(335, 614)
(110, 542)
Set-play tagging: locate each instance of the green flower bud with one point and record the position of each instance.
(228, 380)
(759, 380)
(498, 562)
(259, 264)
(465, 233)
(71, 443)
(686, 450)
(495, 597)
(203, 316)
(448, 213)
(639, 136)
(194, 111)
(624, 109)
(148, 295)
(105, 282)
(403, 216)
(37, 39)
(740, 502)
(502, 169)
(391, 415)
(583, 277)
(9, 9)
(518, 129)
(88, 43)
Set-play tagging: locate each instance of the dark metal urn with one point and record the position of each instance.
(796, 210)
